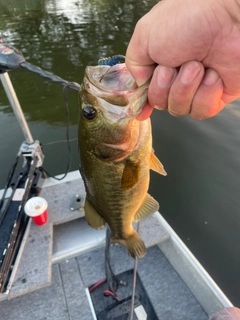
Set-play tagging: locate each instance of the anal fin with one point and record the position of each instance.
(148, 208)
(156, 165)
(134, 245)
(92, 217)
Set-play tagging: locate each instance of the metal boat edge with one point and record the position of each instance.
(207, 292)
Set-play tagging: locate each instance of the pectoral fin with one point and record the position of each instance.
(148, 208)
(156, 165)
(130, 175)
(92, 217)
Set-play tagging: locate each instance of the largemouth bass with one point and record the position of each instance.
(116, 154)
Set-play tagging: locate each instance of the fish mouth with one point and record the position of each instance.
(116, 91)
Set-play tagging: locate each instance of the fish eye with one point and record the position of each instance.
(89, 112)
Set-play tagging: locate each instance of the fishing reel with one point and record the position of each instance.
(10, 57)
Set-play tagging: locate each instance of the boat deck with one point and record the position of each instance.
(66, 297)
(59, 261)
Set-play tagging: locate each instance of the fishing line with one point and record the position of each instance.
(108, 70)
(65, 88)
(111, 278)
(58, 141)
(134, 282)
(50, 76)
(110, 61)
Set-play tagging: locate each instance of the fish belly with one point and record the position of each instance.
(117, 203)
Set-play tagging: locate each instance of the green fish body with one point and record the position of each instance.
(116, 154)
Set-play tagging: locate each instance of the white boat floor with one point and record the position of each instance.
(66, 298)
(65, 256)
(65, 235)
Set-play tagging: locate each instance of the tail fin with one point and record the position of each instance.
(134, 245)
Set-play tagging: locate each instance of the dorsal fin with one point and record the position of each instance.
(148, 208)
(156, 165)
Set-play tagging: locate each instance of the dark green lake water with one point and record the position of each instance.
(200, 197)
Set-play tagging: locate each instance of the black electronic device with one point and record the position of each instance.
(10, 57)
(13, 220)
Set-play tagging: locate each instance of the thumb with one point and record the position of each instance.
(141, 73)
(138, 62)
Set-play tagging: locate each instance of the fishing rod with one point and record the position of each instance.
(12, 58)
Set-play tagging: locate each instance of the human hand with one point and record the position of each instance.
(191, 49)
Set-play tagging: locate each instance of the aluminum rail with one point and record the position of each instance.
(218, 293)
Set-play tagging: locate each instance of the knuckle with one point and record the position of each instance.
(180, 96)
(179, 107)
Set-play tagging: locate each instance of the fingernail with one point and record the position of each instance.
(165, 76)
(173, 113)
(211, 77)
(189, 72)
(159, 107)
